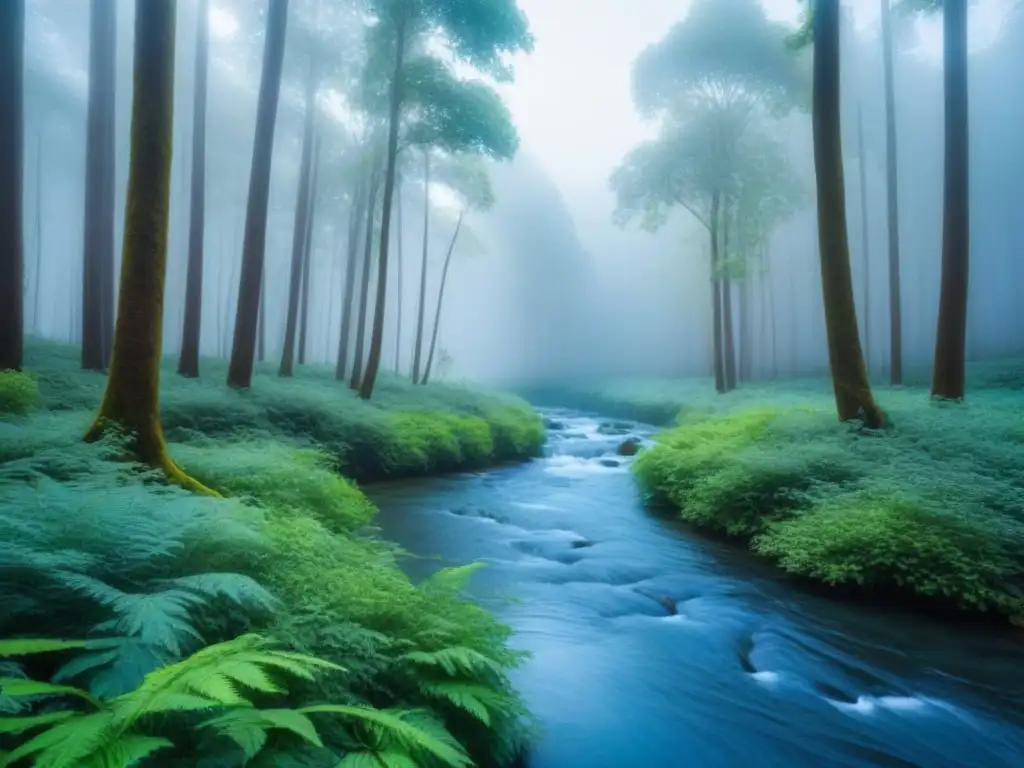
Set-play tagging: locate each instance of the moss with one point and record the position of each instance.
(19, 393)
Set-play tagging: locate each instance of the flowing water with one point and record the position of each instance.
(655, 647)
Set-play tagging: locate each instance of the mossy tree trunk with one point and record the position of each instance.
(849, 376)
(892, 194)
(243, 347)
(358, 358)
(307, 258)
(355, 220)
(131, 401)
(716, 295)
(440, 300)
(12, 138)
(98, 219)
(951, 335)
(188, 364)
(421, 305)
(300, 229)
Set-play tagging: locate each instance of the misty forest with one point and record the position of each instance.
(551, 383)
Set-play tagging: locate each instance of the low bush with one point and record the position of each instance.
(19, 393)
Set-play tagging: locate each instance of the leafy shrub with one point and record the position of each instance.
(19, 393)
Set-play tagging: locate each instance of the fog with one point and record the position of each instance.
(545, 284)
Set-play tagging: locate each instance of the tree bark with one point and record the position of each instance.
(243, 347)
(746, 351)
(12, 137)
(421, 306)
(440, 300)
(865, 241)
(892, 190)
(728, 338)
(307, 255)
(849, 376)
(300, 227)
(38, 301)
(398, 277)
(188, 364)
(132, 397)
(716, 296)
(355, 221)
(356, 380)
(951, 334)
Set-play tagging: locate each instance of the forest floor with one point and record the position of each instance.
(928, 513)
(91, 546)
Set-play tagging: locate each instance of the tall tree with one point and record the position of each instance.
(398, 275)
(357, 210)
(421, 303)
(12, 256)
(892, 200)
(358, 359)
(849, 374)
(478, 32)
(98, 239)
(307, 256)
(188, 364)
(132, 397)
(243, 348)
(301, 223)
(865, 239)
(951, 335)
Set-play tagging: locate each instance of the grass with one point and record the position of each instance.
(97, 549)
(929, 512)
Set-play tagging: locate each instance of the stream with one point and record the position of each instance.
(655, 647)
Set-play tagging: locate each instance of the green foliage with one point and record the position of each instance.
(215, 681)
(930, 510)
(19, 393)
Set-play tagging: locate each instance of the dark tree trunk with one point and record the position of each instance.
(849, 376)
(12, 137)
(951, 335)
(440, 300)
(421, 306)
(243, 348)
(261, 327)
(355, 221)
(188, 365)
(307, 256)
(892, 189)
(356, 380)
(390, 172)
(38, 302)
(398, 277)
(98, 236)
(132, 397)
(300, 228)
(865, 242)
(728, 337)
(716, 295)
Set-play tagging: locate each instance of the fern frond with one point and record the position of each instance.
(129, 749)
(409, 734)
(20, 687)
(27, 723)
(68, 743)
(455, 660)
(383, 759)
(248, 727)
(453, 579)
(239, 589)
(26, 646)
(472, 698)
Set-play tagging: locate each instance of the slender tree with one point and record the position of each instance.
(243, 348)
(865, 240)
(131, 401)
(188, 364)
(892, 201)
(38, 301)
(440, 300)
(421, 304)
(948, 377)
(358, 359)
(12, 256)
(398, 277)
(849, 374)
(307, 255)
(355, 218)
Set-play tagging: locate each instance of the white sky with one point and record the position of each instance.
(571, 99)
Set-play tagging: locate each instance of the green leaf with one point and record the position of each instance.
(29, 646)
(18, 687)
(20, 724)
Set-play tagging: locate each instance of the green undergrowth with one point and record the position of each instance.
(98, 550)
(930, 510)
(404, 431)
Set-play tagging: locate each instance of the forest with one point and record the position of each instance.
(323, 441)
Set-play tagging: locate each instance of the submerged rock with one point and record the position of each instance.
(614, 428)
(629, 447)
(554, 424)
(609, 463)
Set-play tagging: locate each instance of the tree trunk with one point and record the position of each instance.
(440, 299)
(892, 174)
(421, 306)
(188, 365)
(12, 263)
(849, 376)
(716, 296)
(131, 399)
(307, 255)
(261, 327)
(356, 380)
(300, 227)
(331, 294)
(865, 241)
(951, 335)
(38, 302)
(355, 220)
(728, 337)
(243, 347)
(746, 351)
(398, 277)
(771, 311)
(380, 305)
